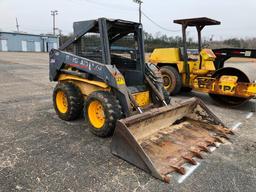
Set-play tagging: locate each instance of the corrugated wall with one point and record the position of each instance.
(27, 42)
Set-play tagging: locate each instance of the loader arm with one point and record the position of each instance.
(60, 59)
(107, 73)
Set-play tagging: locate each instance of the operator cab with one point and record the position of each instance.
(112, 42)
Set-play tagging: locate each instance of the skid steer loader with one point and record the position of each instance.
(120, 94)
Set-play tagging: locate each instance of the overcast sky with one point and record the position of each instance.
(237, 16)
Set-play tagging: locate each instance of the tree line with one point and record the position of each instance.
(163, 41)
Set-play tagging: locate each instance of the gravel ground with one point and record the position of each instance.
(40, 152)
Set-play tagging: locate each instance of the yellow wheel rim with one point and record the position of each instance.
(167, 81)
(96, 114)
(61, 102)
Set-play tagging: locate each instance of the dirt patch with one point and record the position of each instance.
(25, 58)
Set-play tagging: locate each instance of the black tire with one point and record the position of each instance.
(167, 97)
(186, 89)
(229, 101)
(172, 78)
(225, 99)
(253, 106)
(112, 111)
(74, 101)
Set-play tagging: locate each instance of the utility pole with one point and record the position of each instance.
(54, 13)
(139, 2)
(60, 36)
(17, 25)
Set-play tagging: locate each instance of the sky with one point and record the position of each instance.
(236, 16)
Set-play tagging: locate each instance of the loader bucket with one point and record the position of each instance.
(161, 140)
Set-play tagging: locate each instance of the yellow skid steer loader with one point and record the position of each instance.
(107, 78)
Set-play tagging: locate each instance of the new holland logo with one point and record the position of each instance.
(120, 79)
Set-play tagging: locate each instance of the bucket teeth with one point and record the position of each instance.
(210, 143)
(227, 131)
(224, 136)
(160, 141)
(218, 139)
(167, 179)
(231, 132)
(203, 148)
(196, 154)
(190, 160)
(180, 170)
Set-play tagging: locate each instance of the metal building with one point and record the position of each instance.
(12, 41)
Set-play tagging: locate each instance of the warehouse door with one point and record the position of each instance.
(55, 46)
(4, 45)
(30, 46)
(37, 46)
(24, 46)
(49, 46)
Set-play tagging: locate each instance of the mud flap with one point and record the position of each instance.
(161, 140)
